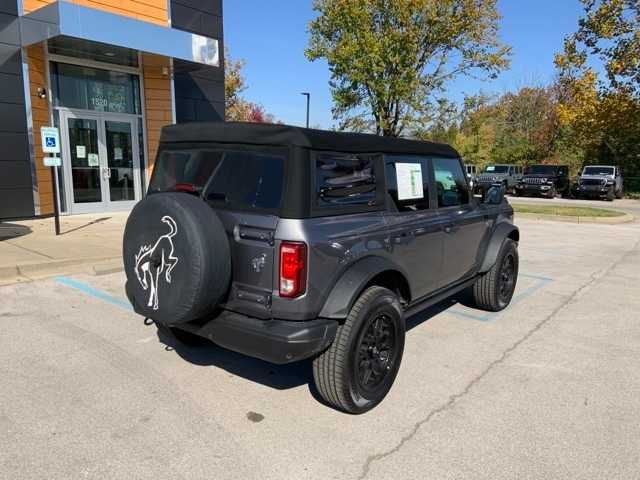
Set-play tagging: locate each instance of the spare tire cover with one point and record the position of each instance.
(176, 258)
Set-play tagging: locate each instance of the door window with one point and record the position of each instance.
(120, 159)
(407, 182)
(451, 186)
(85, 163)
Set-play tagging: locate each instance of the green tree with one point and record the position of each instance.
(609, 31)
(600, 120)
(391, 59)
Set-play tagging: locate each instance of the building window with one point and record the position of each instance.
(87, 88)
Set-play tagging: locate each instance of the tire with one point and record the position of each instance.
(492, 291)
(176, 258)
(610, 195)
(342, 377)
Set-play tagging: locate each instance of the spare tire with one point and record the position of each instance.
(176, 258)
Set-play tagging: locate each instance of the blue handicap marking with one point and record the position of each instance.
(50, 141)
(539, 282)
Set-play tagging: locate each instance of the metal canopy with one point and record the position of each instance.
(68, 19)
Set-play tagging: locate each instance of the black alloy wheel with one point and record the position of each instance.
(358, 370)
(376, 353)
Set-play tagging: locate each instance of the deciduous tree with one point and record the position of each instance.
(390, 60)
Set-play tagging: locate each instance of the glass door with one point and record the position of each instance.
(84, 160)
(101, 161)
(119, 170)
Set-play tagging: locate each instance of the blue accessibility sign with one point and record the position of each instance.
(50, 139)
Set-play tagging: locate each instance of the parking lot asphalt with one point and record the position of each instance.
(549, 388)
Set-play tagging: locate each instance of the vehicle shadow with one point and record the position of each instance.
(9, 231)
(279, 377)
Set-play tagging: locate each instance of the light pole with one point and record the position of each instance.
(308, 95)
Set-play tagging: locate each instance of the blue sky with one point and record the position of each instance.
(271, 37)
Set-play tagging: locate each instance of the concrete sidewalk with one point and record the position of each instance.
(88, 243)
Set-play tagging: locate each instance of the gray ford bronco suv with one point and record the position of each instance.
(285, 244)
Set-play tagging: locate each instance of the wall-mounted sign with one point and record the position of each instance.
(52, 161)
(50, 140)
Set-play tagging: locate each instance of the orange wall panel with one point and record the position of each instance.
(152, 11)
(41, 118)
(158, 101)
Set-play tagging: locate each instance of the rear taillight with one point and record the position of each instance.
(293, 269)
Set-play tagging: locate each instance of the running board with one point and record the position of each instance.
(423, 304)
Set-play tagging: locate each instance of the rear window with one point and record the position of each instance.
(238, 180)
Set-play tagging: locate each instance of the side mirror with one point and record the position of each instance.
(495, 195)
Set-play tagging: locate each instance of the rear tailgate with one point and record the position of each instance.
(251, 240)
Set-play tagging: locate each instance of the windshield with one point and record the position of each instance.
(496, 169)
(597, 171)
(541, 170)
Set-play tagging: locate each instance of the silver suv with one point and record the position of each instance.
(287, 244)
(600, 181)
(504, 175)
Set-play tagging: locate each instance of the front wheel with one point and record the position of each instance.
(610, 195)
(360, 366)
(494, 289)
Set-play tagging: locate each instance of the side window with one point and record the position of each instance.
(344, 180)
(407, 182)
(450, 183)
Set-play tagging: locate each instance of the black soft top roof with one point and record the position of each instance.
(286, 135)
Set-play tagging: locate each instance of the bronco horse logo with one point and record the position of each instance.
(152, 261)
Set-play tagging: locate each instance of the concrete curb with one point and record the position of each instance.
(627, 217)
(33, 271)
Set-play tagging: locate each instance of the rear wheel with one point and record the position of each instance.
(494, 289)
(360, 366)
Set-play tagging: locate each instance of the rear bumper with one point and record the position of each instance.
(276, 341)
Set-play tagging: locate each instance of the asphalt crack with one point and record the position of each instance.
(503, 356)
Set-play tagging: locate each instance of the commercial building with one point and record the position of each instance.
(109, 74)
